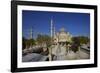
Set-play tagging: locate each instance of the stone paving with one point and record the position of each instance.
(59, 54)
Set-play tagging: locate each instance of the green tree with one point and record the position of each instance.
(23, 43)
(43, 39)
(47, 40)
(39, 39)
(84, 40)
(76, 40)
(31, 42)
(27, 42)
(80, 40)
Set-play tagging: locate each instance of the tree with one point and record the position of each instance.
(80, 40)
(47, 40)
(31, 42)
(27, 42)
(39, 39)
(77, 41)
(84, 40)
(43, 39)
(23, 43)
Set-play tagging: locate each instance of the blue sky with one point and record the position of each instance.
(77, 24)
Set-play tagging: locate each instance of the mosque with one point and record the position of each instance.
(59, 42)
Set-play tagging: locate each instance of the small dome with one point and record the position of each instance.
(62, 30)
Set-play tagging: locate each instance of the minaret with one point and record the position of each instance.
(31, 33)
(51, 28)
(31, 36)
(51, 33)
(54, 32)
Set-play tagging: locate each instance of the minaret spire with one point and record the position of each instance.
(51, 28)
(51, 32)
(31, 33)
(54, 31)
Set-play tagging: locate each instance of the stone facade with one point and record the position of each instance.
(62, 37)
